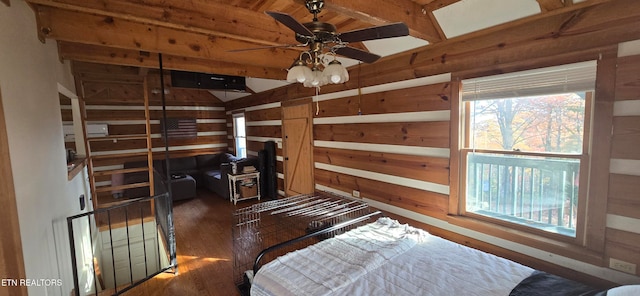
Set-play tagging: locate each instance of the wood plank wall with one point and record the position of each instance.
(263, 123)
(120, 105)
(396, 152)
(388, 151)
(623, 209)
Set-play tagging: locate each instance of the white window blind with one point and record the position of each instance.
(576, 77)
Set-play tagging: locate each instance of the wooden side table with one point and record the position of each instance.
(233, 181)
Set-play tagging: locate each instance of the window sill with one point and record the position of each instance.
(75, 167)
(566, 249)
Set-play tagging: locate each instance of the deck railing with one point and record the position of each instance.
(531, 190)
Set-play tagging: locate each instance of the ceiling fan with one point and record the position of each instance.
(317, 34)
(323, 37)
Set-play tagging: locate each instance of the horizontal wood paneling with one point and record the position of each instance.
(139, 129)
(424, 134)
(624, 240)
(268, 131)
(70, 145)
(627, 78)
(114, 100)
(110, 145)
(199, 114)
(105, 178)
(424, 98)
(257, 146)
(67, 115)
(624, 199)
(420, 201)
(263, 114)
(621, 246)
(117, 160)
(415, 167)
(626, 137)
(280, 167)
(107, 115)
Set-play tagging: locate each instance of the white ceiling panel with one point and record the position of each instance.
(469, 16)
(391, 46)
(226, 96)
(261, 84)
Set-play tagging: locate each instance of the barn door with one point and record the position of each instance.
(297, 127)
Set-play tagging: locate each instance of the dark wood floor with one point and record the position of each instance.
(204, 249)
(203, 229)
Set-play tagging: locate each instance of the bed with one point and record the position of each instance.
(384, 257)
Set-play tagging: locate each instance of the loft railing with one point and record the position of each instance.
(115, 249)
(530, 190)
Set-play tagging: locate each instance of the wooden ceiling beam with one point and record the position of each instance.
(537, 33)
(379, 12)
(437, 4)
(65, 25)
(128, 57)
(205, 17)
(587, 31)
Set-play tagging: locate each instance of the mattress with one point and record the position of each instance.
(388, 258)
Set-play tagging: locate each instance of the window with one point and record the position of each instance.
(240, 135)
(526, 142)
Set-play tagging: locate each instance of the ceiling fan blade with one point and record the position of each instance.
(267, 47)
(379, 32)
(290, 22)
(357, 54)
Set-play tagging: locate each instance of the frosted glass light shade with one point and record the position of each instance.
(318, 79)
(299, 73)
(335, 73)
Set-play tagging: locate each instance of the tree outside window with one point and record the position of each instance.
(525, 147)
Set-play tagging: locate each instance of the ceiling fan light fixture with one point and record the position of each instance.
(323, 39)
(317, 79)
(299, 72)
(335, 73)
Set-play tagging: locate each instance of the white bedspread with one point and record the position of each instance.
(388, 258)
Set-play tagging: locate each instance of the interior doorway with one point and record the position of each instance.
(297, 131)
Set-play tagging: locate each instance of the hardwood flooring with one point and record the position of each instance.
(204, 249)
(203, 228)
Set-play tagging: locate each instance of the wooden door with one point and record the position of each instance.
(297, 124)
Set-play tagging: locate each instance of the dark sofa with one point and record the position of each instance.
(207, 170)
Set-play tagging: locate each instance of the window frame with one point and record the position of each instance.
(235, 116)
(464, 139)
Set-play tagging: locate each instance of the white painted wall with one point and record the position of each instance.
(30, 73)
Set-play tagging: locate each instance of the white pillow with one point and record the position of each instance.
(630, 290)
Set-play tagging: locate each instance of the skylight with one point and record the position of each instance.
(469, 16)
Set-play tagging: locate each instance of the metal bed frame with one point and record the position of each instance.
(270, 229)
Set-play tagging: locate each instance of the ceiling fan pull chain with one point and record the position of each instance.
(317, 101)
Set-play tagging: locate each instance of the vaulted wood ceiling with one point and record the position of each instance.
(198, 35)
